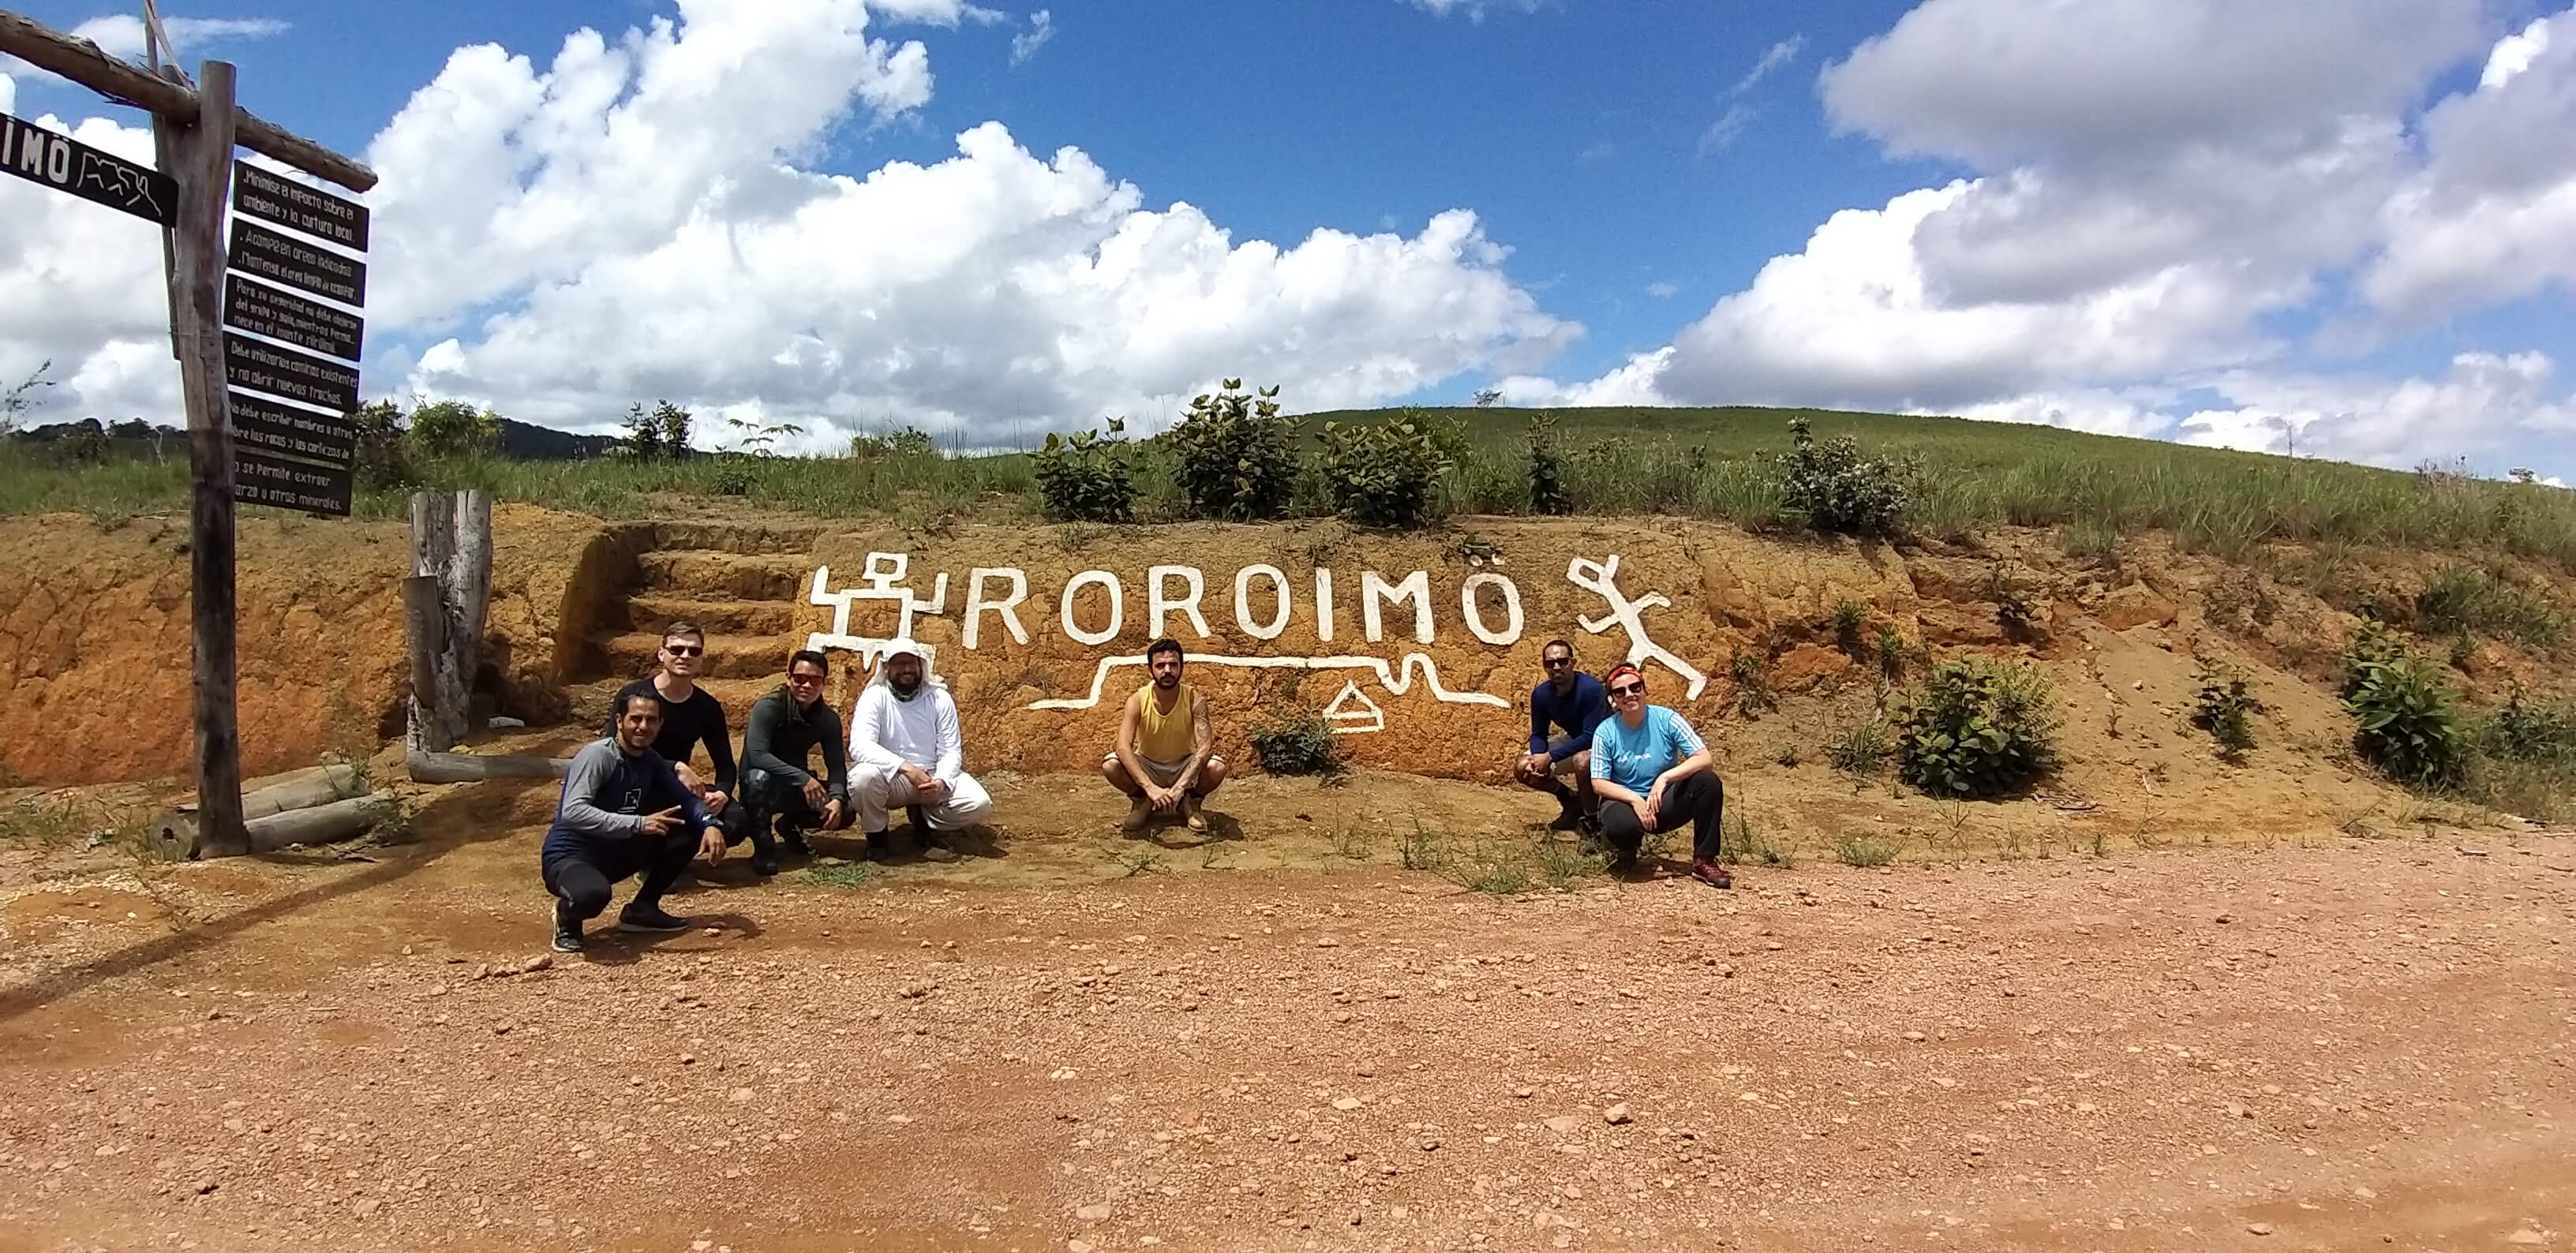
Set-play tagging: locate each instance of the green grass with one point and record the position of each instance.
(838, 874)
(1705, 463)
(1863, 850)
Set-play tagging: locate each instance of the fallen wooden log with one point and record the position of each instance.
(317, 787)
(316, 824)
(427, 767)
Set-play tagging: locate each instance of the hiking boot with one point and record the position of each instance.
(567, 931)
(1192, 814)
(880, 845)
(791, 840)
(764, 864)
(1139, 813)
(1567, 818)
(1623, 862)
(649, 920)
(933, 843)
(920, 820)
(1712, 874)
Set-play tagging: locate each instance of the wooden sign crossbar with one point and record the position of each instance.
(195, 130)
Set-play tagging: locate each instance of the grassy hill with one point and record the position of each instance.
(1708, 462)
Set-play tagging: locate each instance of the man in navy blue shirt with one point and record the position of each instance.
(624, 812)
(1573, 701)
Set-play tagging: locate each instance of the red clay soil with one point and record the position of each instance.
(2350, 1045)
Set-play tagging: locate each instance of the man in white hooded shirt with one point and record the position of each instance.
(906, 750)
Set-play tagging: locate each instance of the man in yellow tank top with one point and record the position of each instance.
(1166, 755)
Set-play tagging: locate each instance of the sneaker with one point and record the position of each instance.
(764, 864)
(879, 845)
(567, 931)
(1138, 814)
(1567, 818)
(649, 919)
(1712, 874)
(1623, 861)
(1192, 814)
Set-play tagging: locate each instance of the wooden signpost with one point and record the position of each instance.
(261, 340)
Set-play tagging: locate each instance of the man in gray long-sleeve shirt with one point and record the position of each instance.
(623, 812)
(786, 726)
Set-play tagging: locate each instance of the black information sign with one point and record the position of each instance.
(262, 479)
(259, 422)
(286, 202)
(65, 164)
(264, 310)
(286, 372)
(267, 254)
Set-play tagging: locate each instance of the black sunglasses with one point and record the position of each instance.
(684, 650)
(1556, 663)
(1629, 689)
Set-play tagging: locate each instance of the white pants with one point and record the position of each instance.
(877, 790)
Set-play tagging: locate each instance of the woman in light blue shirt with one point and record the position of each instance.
(1652, 773)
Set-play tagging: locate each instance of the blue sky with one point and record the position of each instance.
(1641, 163)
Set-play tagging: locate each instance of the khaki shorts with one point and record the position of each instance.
(1164, 773)
(1564, 767)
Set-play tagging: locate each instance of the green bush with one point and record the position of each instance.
(1546, 470)
(1751, 673)
(1380, 474)
(1836, 489)
(734, 478)
(2225, 708)
(2370, 642)
(2531, 729)
(1976, 727)
(898, 444)
(2406, 723)
(453, 428)
(1088, 478)
(1849, 618)
(383, 463)
(1295, 741)
(2459, 600)
(1238, 457)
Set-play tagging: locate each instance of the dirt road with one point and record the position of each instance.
(2357, 1045)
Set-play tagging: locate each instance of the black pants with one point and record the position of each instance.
(580, 878)
(1701, 798)
(765, 798)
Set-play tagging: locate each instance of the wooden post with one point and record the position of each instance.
(201, 157)
(444, 604)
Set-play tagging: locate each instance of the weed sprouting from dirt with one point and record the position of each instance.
(1863, 850)
(1744, 841)
(1139, 861)
(1493, 867)
(1354, 843)
(838, 874)
(1420, 849)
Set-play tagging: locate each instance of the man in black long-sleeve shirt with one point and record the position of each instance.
(786, 726)
(691, 716)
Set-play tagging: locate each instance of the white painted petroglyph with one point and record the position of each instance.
(1157, 605)
(1353, 710)
(1243, 601)
(885, 570)
(1602, 579)
(1117, 607)
(1475, 613)
(1353, 713)
(1396, 676)
(977, 606)
(1375, 592)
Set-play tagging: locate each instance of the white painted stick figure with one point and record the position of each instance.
(1602, 579)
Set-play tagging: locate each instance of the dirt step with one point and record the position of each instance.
(647, 611)
(713, 575)
(637, 653)
(758, 541)
(589, 701)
